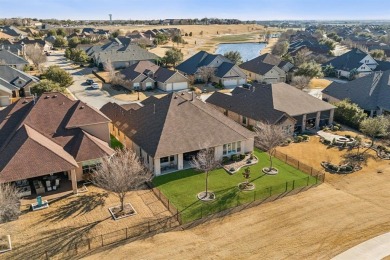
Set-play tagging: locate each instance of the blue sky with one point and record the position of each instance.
(160, 9)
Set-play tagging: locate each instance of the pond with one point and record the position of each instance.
(248, 50)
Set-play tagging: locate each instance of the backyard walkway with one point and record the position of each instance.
(373, 249)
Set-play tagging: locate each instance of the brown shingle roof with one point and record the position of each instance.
(174, 124)
(27, 154)
(38, 134)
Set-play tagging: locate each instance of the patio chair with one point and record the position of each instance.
(48, 185)
(57, 183)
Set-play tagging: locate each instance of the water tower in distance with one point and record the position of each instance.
(110, 15)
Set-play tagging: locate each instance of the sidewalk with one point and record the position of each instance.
(375, 248)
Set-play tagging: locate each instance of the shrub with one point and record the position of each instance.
(348, 136)
(348, 168)
(336, 128)
(327, 142)
(225, 159)
(234, 157)
(298, 139)
(334, 141)
(305, 137)
(242, 156)
(349, 113)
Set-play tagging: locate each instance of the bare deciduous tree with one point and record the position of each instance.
(121, 173)
(35, 54)
(300, 82)
(268, 137)
(9, 203)
(205, 161)
(206, 73)
(375, 127)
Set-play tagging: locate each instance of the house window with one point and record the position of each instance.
(231, 148)
(244, 120)
(171, 158)
(91, 168)
(164, 160)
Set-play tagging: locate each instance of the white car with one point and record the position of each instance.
(95, 86)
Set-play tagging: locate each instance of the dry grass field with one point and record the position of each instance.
(204, 37)
(319, 83)
(316, 224)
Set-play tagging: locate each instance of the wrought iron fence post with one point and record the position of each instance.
(307, 180)
(270, 191)
(286, 186)
(102, 240)
(316, 178)
(293, 185)
(126, 232)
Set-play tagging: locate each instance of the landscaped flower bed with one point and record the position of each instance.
(238, 161)
(117, 213)
(339, 168)
(382, 152)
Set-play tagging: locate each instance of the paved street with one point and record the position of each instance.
(93, 97)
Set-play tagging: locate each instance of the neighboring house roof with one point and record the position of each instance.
(5, 36)
(348, 61)
(174, 124)
(132, 53)
(157, 73)
(35, 138)
(13, 31)
(263, 64)
(14, 48)
(369, 92)
(9, 76)
(269, 103)
(223, 69)
(202, 58)
(9, 58)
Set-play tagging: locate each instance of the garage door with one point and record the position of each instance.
(168, 87)
(230, 82)
(241, 81)
(180, 85)
(148, 84)
(4, 101)
(271, 80)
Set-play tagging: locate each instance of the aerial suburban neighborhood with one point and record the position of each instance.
(194, 130)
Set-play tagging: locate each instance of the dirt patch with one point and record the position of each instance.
(319, 83)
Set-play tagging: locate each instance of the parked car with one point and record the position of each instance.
(89, 81)
(95, 86)
(246, 85)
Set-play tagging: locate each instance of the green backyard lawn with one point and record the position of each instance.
(115, 144)
(182, 187)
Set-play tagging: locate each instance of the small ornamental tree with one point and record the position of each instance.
(349, 113)
(9, 203)
(205, 162)
(46, 85)
(268, 137)
(58, 75)
(375, 127)
(35, 54)
(173, 56)
(120, 174)
(206, 73)
(234, 56)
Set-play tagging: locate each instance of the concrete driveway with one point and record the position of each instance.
(93, 97)
(374, 249)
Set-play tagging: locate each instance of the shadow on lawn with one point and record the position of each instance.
(78, 206)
